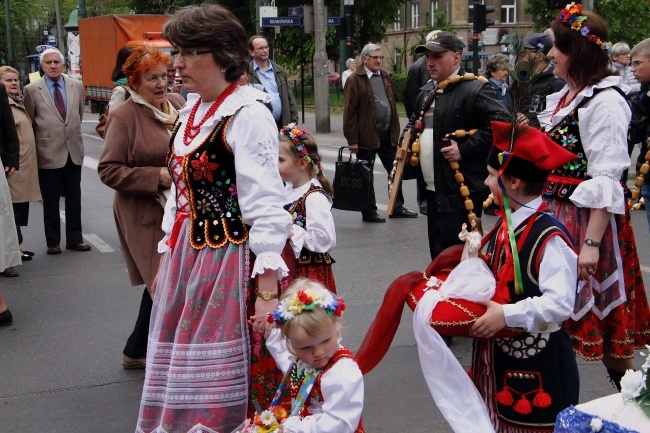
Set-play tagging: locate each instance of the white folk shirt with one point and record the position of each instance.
(558, 278)
(603, 133)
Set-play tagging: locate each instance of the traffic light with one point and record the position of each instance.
(480, 17)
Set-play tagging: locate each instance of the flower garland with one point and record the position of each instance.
(296, 135)
(306, 300)
(571, 15)
(635, 385)
(267, 421)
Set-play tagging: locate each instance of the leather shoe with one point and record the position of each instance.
(9, 272)
(78, 247)
(374, 218)
(26, 257)
(54, 250)
(402, 212)
(133, 364)
(6, 319)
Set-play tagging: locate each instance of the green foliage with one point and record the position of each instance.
(399, 82)
(542, 15)
(440, 19)
(626, 20)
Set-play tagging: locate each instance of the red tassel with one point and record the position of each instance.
(470, 373)
(505, 398)
(523, 406)
(542, 399)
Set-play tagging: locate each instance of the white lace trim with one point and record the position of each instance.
(199, 428)
(190, 350)
(270, 260)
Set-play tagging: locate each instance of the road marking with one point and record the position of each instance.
(91, 238)
(645, 269)
(96, 137)
(96, 241)
(90, 121)
(91, 163)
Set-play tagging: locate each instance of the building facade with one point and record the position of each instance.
(417, 18)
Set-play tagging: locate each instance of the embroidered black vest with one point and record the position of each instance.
(543, 228)
(567, 134)
(298, 211)
(209, 173)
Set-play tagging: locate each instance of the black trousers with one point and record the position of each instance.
(54, 183)
(136, 345)
(386, 154)
(21, 215)
(444, 227)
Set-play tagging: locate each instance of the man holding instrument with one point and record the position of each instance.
(452, 101)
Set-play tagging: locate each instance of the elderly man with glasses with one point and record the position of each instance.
(370, 120)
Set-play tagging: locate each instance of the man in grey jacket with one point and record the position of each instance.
(274, 80)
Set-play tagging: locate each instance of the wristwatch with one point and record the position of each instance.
(267, 296)
(592, 243)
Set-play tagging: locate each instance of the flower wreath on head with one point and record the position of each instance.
(296, 135)
(306, 300)
(571, 15)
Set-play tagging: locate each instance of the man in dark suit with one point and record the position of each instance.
(56, 106)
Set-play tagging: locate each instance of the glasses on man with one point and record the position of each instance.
(637, 63)
(376, 57)
(261, 48)
(188, 54)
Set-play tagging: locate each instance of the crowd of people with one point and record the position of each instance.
(223, 213)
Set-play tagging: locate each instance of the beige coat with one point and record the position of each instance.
(24, 182)
(135, 149)
(55, 138)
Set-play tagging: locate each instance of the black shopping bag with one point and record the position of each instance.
(353, 181)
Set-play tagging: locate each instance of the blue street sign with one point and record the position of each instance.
(333, 21)
(280, 21)
(295, 11)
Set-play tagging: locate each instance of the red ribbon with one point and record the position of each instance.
(180, 217)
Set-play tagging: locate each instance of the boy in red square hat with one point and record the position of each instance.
(528, 379)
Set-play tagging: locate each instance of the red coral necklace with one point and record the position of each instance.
(563, 103)
(192, 130)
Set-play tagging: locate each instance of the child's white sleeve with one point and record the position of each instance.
(319, 236)
(558, 282)
(278, 348)
(342, 405)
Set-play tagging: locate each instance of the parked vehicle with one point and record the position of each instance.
(101, 38)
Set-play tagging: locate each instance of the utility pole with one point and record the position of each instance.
(59, 27)
(321, 84)
(81, 13)
(10, 37)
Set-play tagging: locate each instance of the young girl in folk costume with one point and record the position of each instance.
(322, 390)
(309, 196)
(472, 239)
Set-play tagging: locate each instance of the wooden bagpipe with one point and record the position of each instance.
(409, 152)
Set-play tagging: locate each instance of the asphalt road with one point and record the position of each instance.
(60, 369)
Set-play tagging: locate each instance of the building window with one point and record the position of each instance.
(415, 15)
(434, 8)
(470, 11)
(508, 11)
(397, 25)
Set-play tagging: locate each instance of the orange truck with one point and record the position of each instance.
(102, 37)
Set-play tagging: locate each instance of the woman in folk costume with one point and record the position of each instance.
(590, 118)
(527, 379)
(226, 202)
